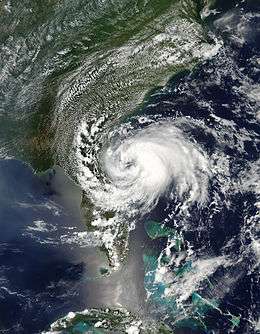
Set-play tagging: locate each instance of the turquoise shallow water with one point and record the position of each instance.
(140, 211)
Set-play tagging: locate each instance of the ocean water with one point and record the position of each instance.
(129, 143)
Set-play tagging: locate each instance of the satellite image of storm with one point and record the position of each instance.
(129, 166)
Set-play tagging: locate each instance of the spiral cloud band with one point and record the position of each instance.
(141, 165)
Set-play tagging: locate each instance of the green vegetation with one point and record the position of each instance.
(116, 321)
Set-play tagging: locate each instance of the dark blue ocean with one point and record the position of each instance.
(46, 266)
